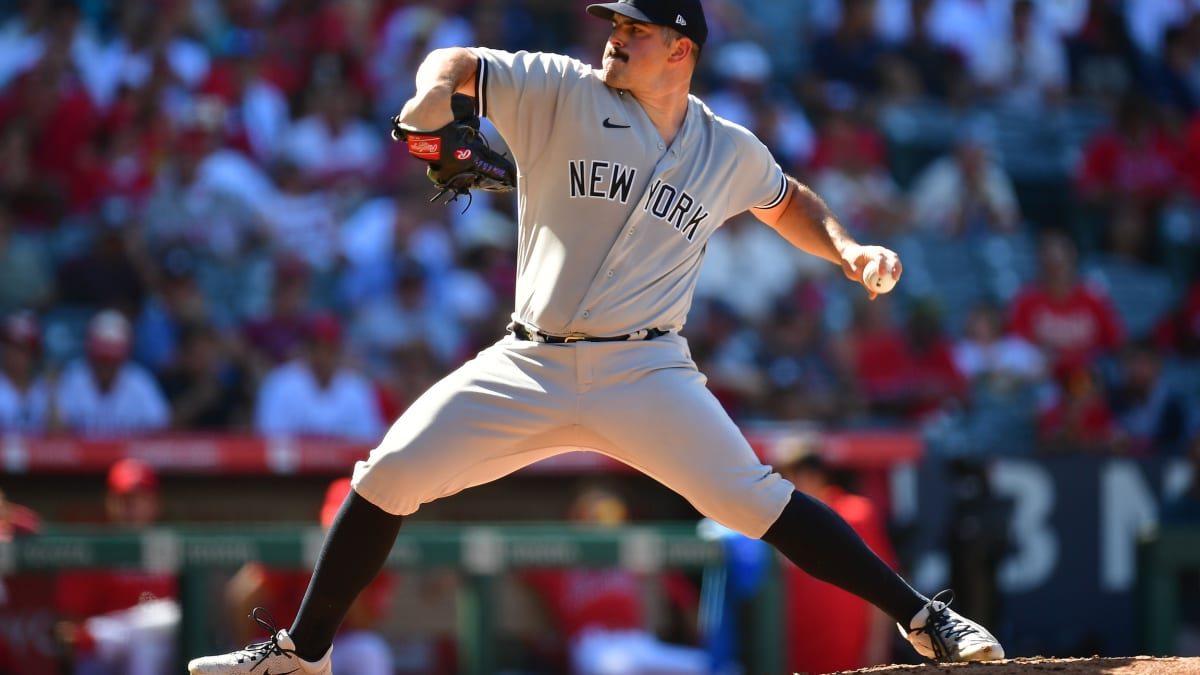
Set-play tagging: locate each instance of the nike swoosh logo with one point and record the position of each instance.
(293, 670)
(608, 124)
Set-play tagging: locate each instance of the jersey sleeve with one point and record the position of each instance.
(520, 93)
(758, 181)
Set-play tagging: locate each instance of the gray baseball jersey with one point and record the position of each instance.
(613, 226)
(612, 229)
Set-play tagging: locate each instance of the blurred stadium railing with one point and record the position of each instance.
(481, 552)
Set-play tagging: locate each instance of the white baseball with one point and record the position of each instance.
(879, 281)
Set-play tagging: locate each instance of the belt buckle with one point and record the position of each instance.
(573, 338)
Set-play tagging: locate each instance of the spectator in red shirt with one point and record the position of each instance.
(906, 371)
(933, 379)
(844, 136)
(16, 520)
(599, 613)
(877, 354)
(276, 336)
(1135, 161)
(827, 628)
(851, 173)
(32, 200)
(1189, 165)
(121, 622)
(1070, 321)
(1079, 419)
(1179, 332)
(60, 117)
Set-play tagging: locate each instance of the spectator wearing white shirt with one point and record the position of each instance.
(855, 184)
(968, 25)
(24, 402)
(987, 354)
(385, 228)
(301, 220)
(206, 196)
(1024, 66)
(892, 19)
(141, 45)
(745, 96)
(22, 42)
(106, 394)
(965, 191)
(748, 270)
(406, 317)
(410, 30)
(1148, 20)
(26, 271)
(331, 142)
(316, 394)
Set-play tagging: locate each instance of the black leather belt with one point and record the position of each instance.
(523, 332)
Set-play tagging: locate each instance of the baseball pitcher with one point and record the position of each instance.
(621, 177)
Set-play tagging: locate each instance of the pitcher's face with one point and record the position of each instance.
(635, 53)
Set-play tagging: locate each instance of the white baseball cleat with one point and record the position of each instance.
(942, 634)
(276, 656)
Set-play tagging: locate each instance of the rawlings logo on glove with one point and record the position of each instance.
(459, 157)
(425, 147)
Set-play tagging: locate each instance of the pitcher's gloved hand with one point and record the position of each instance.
(459, 156)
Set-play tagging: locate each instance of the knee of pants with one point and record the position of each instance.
(396, 485)
(750, 508)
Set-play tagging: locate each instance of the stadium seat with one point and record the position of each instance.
(1010, 261)
(1142, 295)
(944, 268)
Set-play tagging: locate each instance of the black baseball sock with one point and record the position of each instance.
(822, 543)
(354, 551)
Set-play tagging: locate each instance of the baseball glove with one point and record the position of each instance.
(459, 156)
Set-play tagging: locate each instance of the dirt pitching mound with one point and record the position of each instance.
(1123, 665)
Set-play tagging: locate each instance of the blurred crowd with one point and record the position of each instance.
(204, 227)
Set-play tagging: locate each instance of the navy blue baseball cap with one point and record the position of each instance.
(685, 16)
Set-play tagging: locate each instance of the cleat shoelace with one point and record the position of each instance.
(258, 652)
(941, 627)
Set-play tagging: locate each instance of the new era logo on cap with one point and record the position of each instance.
(685, 16)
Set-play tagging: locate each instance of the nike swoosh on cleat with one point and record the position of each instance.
(608, 124)
(293, 670)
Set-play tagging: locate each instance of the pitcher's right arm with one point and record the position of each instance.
(443, 73)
